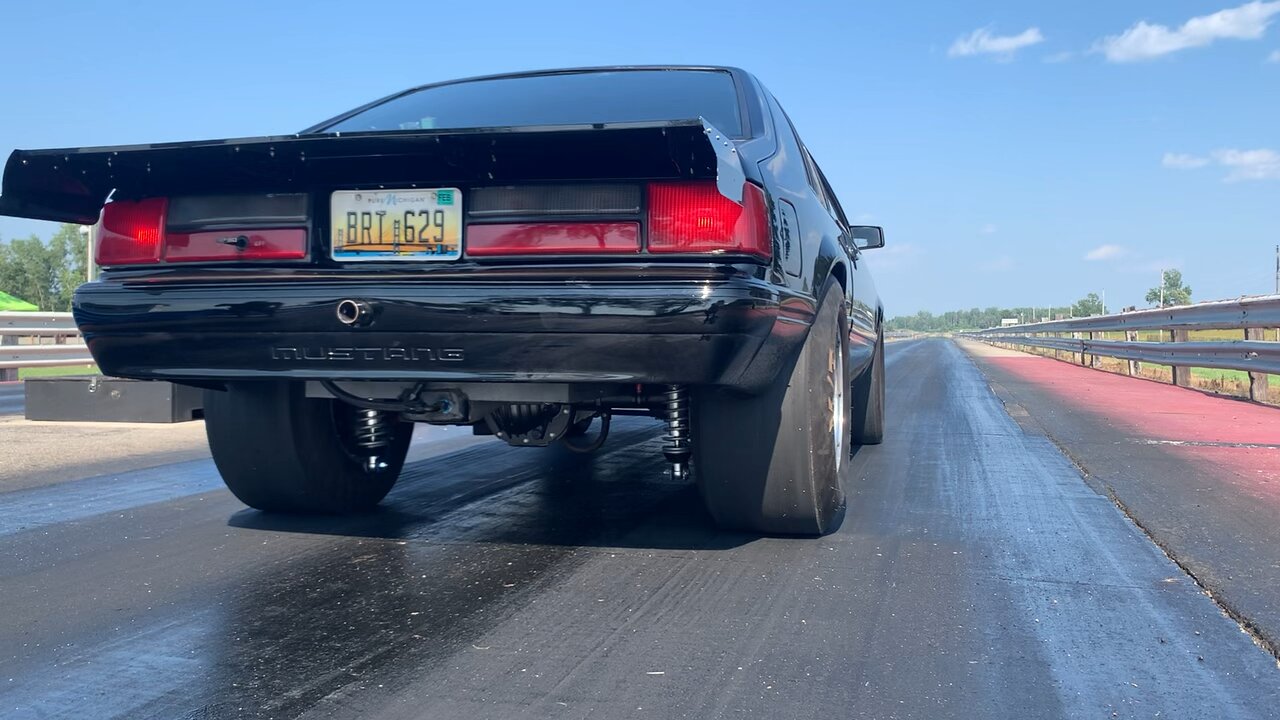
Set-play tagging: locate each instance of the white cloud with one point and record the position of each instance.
(1060, 57)
(1274, 57)
(1261, 164)
(1145, 41)
(1106, 252)
(989, 229)
(982, 42)
(1182, 161)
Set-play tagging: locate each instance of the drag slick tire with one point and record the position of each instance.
(772, 463)
(868, 401)
(280, 451)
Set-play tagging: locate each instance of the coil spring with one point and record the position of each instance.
(675, 410)
(372, 429)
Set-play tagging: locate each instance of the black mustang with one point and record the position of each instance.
(522, 254)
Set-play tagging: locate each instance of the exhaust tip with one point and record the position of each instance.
(354, 313)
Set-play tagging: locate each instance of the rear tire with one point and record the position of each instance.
(868, 401)
(280, 451)
(772, 463)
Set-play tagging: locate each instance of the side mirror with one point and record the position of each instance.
(867, 237)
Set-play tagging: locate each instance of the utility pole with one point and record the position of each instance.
(1161, 288)
(1278, 269)
(1104, 302)
(86, 232)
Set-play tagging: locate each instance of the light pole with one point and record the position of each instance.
(86, 232)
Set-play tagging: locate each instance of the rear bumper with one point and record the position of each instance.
(710, 327)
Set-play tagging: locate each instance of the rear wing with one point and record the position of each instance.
(71, 185)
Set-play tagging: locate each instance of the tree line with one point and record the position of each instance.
(43, 273)
(1173, 292)
(979, 318)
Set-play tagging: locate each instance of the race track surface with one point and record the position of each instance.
(977, 575)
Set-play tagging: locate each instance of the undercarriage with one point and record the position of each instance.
(520, 414)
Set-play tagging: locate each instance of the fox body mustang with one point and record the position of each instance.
(525, 254)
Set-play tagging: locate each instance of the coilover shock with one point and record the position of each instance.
(676, 444)
(372, 429)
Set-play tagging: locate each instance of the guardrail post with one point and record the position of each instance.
(1181, 375)
(1257, 381)
(1132, 368)
(10, 373)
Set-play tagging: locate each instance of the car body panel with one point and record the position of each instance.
(725, 321)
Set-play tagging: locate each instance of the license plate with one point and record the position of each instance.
(418, 225)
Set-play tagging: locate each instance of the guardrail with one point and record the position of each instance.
(1252, 354)
(24, 342)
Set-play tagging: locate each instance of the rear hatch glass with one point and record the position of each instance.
(559, 99)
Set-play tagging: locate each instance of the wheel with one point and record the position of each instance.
(772, 462)
(280, 451)
(868, 401)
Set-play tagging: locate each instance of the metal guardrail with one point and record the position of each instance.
(38, 323)
(35, 327)
(1259, 357)
(1262, 311)
(1251, 354)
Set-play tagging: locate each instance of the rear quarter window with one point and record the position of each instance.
(559, 99)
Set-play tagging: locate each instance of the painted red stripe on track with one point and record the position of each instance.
(1148, 410)
(1154, 410)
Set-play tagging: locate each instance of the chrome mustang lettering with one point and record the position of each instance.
(368, 354)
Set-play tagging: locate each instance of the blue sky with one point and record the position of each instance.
(1001, 143)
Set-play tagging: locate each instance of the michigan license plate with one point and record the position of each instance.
(421, 225)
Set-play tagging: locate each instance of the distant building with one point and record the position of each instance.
(1008, 322)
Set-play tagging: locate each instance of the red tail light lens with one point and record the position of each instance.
(286, 244)
(553, 238)
(693, 217)
(131, 232)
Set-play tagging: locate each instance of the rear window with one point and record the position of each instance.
(563, 99)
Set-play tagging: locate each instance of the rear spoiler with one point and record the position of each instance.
(71, 185)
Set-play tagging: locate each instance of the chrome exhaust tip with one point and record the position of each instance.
(354, 313)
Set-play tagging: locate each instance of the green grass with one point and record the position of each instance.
(1220, 375)
(1194, 335)
(1219, 335)
(35, 372)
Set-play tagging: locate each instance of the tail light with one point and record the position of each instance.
(285, 244)
(694, 217)
(549, 200)
(687, 217)
(135, 232)
(131, 232)
(585, 238)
